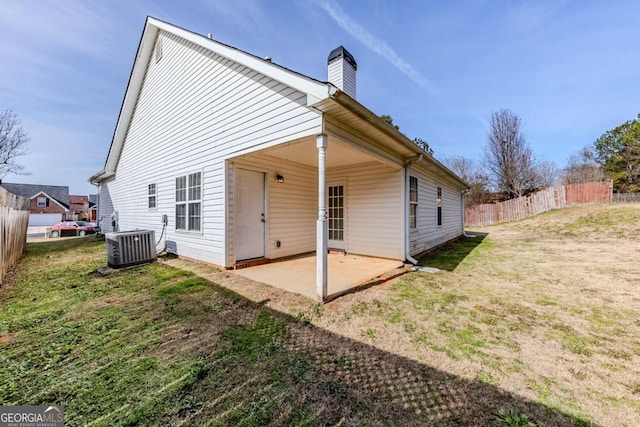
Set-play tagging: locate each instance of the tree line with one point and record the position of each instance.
(509, 169)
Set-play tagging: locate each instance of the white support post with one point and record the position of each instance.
(322, 233)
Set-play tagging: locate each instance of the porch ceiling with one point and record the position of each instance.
(305, 152)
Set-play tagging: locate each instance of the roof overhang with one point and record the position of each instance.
(342, 110)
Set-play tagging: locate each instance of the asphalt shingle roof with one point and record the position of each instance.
(58, 192)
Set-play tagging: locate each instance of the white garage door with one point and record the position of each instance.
(44, 219)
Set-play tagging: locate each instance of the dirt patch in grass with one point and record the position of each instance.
(6, 338)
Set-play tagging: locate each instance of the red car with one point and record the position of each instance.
(73, 228)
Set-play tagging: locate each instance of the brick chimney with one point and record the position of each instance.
(342, 70)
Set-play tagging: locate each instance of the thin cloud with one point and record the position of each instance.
(246, 14)
(378, 46)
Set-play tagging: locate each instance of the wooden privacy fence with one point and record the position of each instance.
(538, 202)
(14, 220)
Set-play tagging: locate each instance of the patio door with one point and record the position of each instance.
(249, 218)
(336, 215)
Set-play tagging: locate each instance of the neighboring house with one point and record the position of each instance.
(49, 203)
(79, 208)
(248, 160)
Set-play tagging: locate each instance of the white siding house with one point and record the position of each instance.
(250, 160)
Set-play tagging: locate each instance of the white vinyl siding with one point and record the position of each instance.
(374, 200)
(292, 206)
(342, 74)
(373, 223)
(428, 233)
(105, 207)
(195, 110)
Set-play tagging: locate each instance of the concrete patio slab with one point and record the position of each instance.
(299, 274)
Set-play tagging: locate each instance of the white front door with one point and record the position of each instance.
(249, 219)
(336, 215)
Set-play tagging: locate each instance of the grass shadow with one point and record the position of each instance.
(450, 255)
(155, 345)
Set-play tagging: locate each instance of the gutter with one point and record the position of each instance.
(101, 176)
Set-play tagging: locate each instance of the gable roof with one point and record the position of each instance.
(314, 89)
(59, 193)
(323, 96)
(57, 202)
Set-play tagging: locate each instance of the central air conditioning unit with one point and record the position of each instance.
(125, 248)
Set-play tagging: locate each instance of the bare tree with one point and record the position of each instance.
(582, 167)
(13, 143)
(508, 158)
(547, 174)
(471, 173)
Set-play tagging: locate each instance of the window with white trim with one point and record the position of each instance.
(152, 200)
(439, 205)
(189, 202)
(42, 202)
(413, 202)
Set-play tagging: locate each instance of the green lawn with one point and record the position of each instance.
(156, 345)
(159, 345)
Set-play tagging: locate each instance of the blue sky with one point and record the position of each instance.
(569, 69)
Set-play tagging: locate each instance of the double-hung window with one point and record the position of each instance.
(413, 202)
(189, 202)
(439, 205)
(42, 202)
(151, 194)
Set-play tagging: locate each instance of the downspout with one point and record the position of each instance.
(405, 169)
(462, 193)
(98, 221)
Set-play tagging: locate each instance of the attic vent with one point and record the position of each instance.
(158, 50)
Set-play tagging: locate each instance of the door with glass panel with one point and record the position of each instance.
(336, 212)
